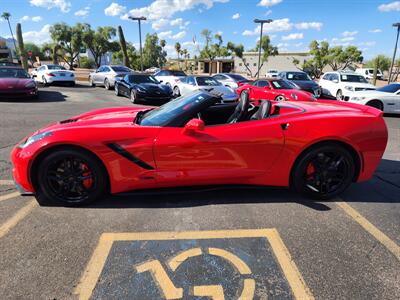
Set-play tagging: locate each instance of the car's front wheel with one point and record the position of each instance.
(107, 84)
(176, 91)
(133, 96)
(339, 95)
(44, 80)
(91, 82)
(376, 104)
(116, 90)
(324, 171)
(70, 177)
(280, 98)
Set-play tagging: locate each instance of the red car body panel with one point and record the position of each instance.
(17, 87)
(252, 152)
(269, 93)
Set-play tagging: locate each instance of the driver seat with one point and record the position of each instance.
(241, 109)
(263, 111)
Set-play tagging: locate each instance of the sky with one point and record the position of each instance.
(366, 24)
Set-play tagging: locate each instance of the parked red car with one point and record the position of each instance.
(275, 89)
(195, 140)
(15, 82)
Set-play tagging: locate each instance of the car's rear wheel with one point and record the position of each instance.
(44, 80)
(376, 103)
(91, 82)
(70, 177)
(280, 98)
(133, 96)
(324, 171)
(339, 95)
(107, 84)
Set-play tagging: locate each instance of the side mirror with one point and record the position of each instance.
(335, 81)
(267, 87)
(193, 125)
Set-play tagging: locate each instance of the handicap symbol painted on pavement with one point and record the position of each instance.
(229, 264)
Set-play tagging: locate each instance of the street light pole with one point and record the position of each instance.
(139, 19)
(258, 21)
(394, 52)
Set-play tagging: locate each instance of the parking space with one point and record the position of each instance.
(221, 244)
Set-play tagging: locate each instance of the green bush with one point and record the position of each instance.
(87, 63)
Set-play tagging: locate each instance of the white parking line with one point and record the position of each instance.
(6, 182)
(9, 196)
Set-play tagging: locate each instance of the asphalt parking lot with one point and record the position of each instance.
(215, 244)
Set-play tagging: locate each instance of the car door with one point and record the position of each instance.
(392, 103)
(123, 86)
(96, 76)
(256, 92)
(222, 154)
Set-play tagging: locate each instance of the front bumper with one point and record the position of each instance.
(14, 94)
(20, 171)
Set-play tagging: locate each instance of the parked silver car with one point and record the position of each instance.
(106, 75)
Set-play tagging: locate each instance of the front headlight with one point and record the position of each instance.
(34, 138)
(294, 96)
(30, 85)
(349, 88)
(140, 89)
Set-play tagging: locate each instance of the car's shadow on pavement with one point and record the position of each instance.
(203, 197)
(43, 96)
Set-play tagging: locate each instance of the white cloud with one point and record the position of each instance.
(235, 32)
(309, 25)
(298, 45)
(348, 39)
(249, 33)
(393, 6)
(377, 30)
(179, 35)
(38, 37)
(293, 36)
(114, 10)
(268, 12)
(63, 5)
(167, 8)
(158, 24)
(269, 3)
(165, 34)
(82, 12)
(176, 22)
(236, 16)
(349, 33)
(368, 44)
(220, 32)
(33, 19)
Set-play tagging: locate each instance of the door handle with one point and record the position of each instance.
(285, 126)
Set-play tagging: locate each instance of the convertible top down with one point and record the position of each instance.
(318, 148)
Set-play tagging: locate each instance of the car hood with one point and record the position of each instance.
(373, 93)
(304, 84)
(108, 117)
(12, 83)
(153, 87)
(359, 85)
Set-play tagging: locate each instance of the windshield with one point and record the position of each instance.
(142, 79)
(298, 76)
(353, 78)
(120, 69)
(55, 67)
(237, 77)
(207, 81)
(13, 73)
(281, 85)
(390, 88)
(162, 115)
(178, 73)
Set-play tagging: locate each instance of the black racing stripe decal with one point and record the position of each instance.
(121, 151)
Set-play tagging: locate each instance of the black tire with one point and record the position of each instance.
(323, 171)
(72, 84)
(339, 95)
(107, 84)
(376, 104)
(91, 83)
(280, 98)
(116, 90)
(70, 177)
(176, 91)
(133, 97)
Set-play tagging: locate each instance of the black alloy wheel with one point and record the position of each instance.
(324, 172)
(70, 177)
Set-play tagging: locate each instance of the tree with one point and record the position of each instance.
(21, 47)
(383, 62)
(178, 48)
(69, 40)
(319, 53)
(340, 59)
(238, 50)
(212, 50)
(267, 50)
(122, 44)
(99, 41)
(6, 16)
(153, 55)
(132, 55)
(36, 50)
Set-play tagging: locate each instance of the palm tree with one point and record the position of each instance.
(6, 16)
(162, 44)
(178, 49)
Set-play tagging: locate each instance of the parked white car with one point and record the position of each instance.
(386, 98)
(272, 73)
(368, 73)
(342, 85)
(231, 79)
(170, 78)
(208, 83)
(48, 74)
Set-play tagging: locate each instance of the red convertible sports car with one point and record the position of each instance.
(195, 140)
(274, 89)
